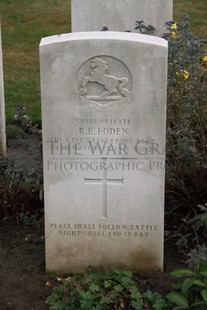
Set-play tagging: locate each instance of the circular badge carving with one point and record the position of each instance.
(103, 83)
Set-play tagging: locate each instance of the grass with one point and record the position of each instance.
(197, 10)
(25, 22)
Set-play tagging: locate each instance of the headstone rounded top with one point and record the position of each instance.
(107, 35)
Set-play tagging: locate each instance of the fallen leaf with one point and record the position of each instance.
(48, 284)
(63, 279)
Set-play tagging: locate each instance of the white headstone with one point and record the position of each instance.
(103, 108)
(2, 106)
(120, 15)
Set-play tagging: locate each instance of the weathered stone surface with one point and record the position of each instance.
(2, 105)
(120, 15)
(103, 108)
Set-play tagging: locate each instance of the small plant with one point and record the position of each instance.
(24, 122)
(142, 28)
(192, 292)
(154, 301)
(114, 289)
(14, 132)
(187, 114)
(21, 125)
(32, 220)
(19, 178)
(200, 219)
(198, 259)
(186, 156)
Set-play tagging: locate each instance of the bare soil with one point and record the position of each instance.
(24, 284)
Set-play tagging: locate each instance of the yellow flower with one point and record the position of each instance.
(174, 26)
(173, 33)
(205, 58)
(184, 74)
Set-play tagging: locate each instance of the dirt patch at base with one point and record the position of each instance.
(23, 279)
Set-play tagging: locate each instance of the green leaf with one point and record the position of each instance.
(199, 283)
(187, 284)
(118, 288)
(182, 273)
(137, 305)
(148, 294)
(203, 273)
(94, 288)
(178, 299)
(204, 295)
(106, 300)
(107, 284)
(126, 282)
(135, 293)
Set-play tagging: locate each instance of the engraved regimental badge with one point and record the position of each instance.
(103, 83)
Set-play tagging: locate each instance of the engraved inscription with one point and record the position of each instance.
(135, 166)
(87, 146)
(104, 230)
(103, 83)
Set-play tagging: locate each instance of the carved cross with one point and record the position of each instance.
(104, 181)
